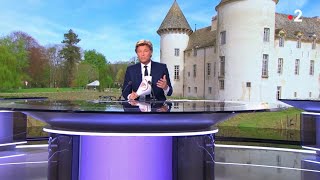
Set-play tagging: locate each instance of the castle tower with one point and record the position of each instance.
(245, 39)
(174, 36)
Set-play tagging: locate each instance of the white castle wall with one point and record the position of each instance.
(304, 83)
(168, 42)
(244, 23)
(202, 81)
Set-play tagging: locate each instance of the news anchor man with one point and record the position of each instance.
(161, 85)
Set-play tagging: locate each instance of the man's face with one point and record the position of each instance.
(144, 54)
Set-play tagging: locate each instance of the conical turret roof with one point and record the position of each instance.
(175, 20)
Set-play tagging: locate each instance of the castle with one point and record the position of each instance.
(248, 53)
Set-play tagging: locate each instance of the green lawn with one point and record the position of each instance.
(281, 125)
(36, 90)
(285, 119)
(62, 93)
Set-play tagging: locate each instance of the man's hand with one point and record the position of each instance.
(162, 83)
(133, 96)
(133, 103)
(163, 108)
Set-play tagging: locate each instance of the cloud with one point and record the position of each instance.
(289, 6)
(109, 41)
(38, 27)
(300, 3)
(111, 27)
(113, 42)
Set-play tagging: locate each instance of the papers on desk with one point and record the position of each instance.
(145, 87)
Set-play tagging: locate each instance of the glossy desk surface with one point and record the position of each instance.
(310, 105)
(123, 116)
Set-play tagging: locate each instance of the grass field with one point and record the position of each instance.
(36, 90)
(62, 93)
(285, 119)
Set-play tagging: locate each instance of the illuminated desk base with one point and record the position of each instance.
(141, 156)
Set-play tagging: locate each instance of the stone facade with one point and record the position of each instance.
(239, 57)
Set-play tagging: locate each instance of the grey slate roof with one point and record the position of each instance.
(202, 38)
(174, 20)
(308, 27)
(205, 37)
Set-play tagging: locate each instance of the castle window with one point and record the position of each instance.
(195, 90)
(221, 84)
(265, 65)
(208, 107)
(188, 74)
(189, 89)
(176, 52)
(280, 66)
(222, 66)
(210, 90)
(314, 44)
(209, 69)
(194, 70)
(195, 52)
(223, 37)
(296, 67)
(311, 72)
(176, 105)
(278, 92)
(214, 69)
(299, 43)
(266, 35)
(281, 41)
(176, 72)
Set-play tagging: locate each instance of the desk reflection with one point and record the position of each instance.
(146, 106)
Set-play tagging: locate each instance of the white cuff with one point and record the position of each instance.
(166, 91)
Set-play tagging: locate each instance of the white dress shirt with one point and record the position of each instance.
(149, 74)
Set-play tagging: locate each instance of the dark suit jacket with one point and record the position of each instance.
(133, 74)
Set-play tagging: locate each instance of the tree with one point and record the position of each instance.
(105, 77)
(55, 64)
(120, 76)
(71, 54)
(38, 69)
(13, 60)
(94, 58)
(85, 73)
(102, 66)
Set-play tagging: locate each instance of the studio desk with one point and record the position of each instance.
(119, 140)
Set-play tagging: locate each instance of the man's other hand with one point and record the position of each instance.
(162, 83)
